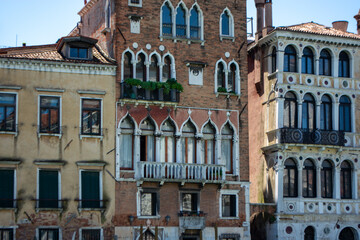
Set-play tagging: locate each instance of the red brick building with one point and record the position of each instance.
(181, 145)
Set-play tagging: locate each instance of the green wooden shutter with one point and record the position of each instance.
(90, 189)
(7, 188)
(48, 189)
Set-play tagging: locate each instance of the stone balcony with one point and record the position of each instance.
(180, 172)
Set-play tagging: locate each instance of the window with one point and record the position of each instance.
(166, 73)
(221, 75)
(346, 180)
(327, 180)
(128, 66)
(7, 112)
(228, 205)
(189, 202)
(308, 112)
(76, 52)
(154, 75)
(344, 65)
(167, 20)
(290, 179)
(326, 113)
(309, 233)
(91, 117)
(7, 193)
(167, 142)
(6, 234)
(49, 114)
(188, 143)
(227, 147)
(90, 234)
(309, 179)
(290, 110)
(48, 233)
(90, 189)
(208, 144)
(195, 23)
(141, 68)
(231, 78)
(148, 204)
(345, 114)
(307, 61)
(127, 144)
(147, 141)
(290, 62)
(48, 189)
(226, 24)
(273, 60)
(347, 234)
(325, 63)
(135, 3)
(180, 22)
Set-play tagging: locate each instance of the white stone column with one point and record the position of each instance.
(336, 115)
(199, 159)
(316, 66)
(299, 108)
(353, 118)
(133, 62)
(280, 113)
(218, 152)
(147, 66)
(335, 66)
(354, 178)
(279, 188)
(318, 104)
(318, 182)
(280, 61)
(157, 146)
(336, 182)
(178, 149)
(160, 66)
(137, 152)
(299, 65)
(299, 183)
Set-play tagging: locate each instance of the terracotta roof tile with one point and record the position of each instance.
(316, 28)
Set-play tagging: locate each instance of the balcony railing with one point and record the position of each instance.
(95, 204)
(175, 172)
(49, 203)
(138, 93)
(9, 203)
(307, 136)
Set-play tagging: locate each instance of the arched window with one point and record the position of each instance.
(325, 63)
(347, 234)
(208, 144)
(326, 113)
(308, 112)
(167, 142)
(154, 70)
(309, 233)
(221, 75)
(141, 68)
(290, 179)
(225, 24)
(227, 134)
(147, 141)
(195, 23)
(166, 20)
(345, 114)
(128, 66)
(344, 65)
(290, 63)
(166, 71)
(309, 179)
(180, 22)
(345, 180)
(273, 60)
(307, 61)
(188, 143)
(290, 110)
(127, 144)
(231, 78)
(327, 179)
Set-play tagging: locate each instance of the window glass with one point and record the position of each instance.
(78, 52)
(225, 24)
(49, 114)
(90, 234)
(148, 204)
(141, 68)
(128, 66)
(91, 117)
(6, 234)
(180, 22)
(231, 78)
(307, 61)
(345, 114)
(290, 179)
(308, 112)
(309, 233)
(273, 60)
(189, 202)
(325, 63)
(6, 188)
(166, 20)
(7, 112)
(188, 143)
(194, 24)
(345, 180)
(126, 143)
(90, 189)
(208, 144)
(48, 234)
(154, 70)
(290, 62)
(147, 141)
(327, 180)
(221, 75)
(344, 65)
(290, 110)
(48, 189)
(167, 142)
(166, 69)
(309, 179)
(228, 205)
(227, 147)
(326, 113)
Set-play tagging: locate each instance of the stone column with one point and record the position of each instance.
(336, 115)
(299, 113)
(318, 107)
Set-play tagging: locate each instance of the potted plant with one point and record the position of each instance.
(149, 88)
(222, 90)
(175, 88)
(134, 84)
(163, 88)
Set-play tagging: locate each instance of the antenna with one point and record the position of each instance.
(16, 41)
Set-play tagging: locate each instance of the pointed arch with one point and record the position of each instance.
(182, 16)
(141, 65)
(125, 142)
(234, 76)
(167, 13)
(220, 75)
(127, 64)
(168, 67)
(169, 118)
(189, 119)
(208, 143)
(168, 129)
(188, 142)
(227, 146)
(154, 67)
(153, 122)
(148, 128)
(196, 22)
(226, 24)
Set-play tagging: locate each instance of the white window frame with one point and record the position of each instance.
(172, 66)
(60, 117)
(229, 192)
(48, 227)
(10, 227)
(173, 13)
(38, 184)
(231, 26)
(201, 22)
(237, 82)
(100, 187)
(187, 19)
(16, 112)
(138, 203)
(135, 4)
(92, 228)
(101, 119)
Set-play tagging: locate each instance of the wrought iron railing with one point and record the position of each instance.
(309, 136)
(138, 93)
(8, 203)
(91, 203)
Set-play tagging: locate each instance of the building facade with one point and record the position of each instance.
(57, 134)
(304, 83)
(181, 116)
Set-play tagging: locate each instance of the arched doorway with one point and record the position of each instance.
(309, 233)
(347, 234)
(148, 235)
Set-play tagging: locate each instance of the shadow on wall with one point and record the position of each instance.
(258, 222)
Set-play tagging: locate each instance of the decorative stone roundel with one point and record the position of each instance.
(326, 82)
(296, 135)
(329, 208)
(227, 54)
(148, 46)
(135, 45)
(291, 207)
(316, 136)
(309, 81)
(291, 79)
(347, 208)
(326, 230)
(288, 230)
(333, 137)
(345, 84)
(310, 207)
(161, 48)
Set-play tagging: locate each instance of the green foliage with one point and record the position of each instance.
(165, 86)
(149, 85)
(133, 81)
(222, 89)
(174, 84)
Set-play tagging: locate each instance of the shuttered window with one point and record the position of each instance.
(6, 188)
(48, 189)
(90, 189)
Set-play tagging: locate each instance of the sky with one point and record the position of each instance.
(37, 22)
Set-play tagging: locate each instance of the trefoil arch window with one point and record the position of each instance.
(127, 143)
(308, 112)
(154, 73)
(166, 71)
(226, 24)
(326, 113)
(344, 65)
(168, 142)
(325, 63)
(141, 67)
(188, 143)
(167, 19)
(227, 135)
(290, 110)
(231, 78)
(290, 179)
(208, 144)
(309, 179)
(345, 114)
(195, 23)
(346, 180)
(221, 75)
(307, 61)
(147, 140)
(290, 61)
(128, 65)
(327, 179)
(180, 21)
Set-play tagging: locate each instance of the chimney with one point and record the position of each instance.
(341, 25)
(357, 17)
(268, 16)
(85, 2)
(24, 44)
(259, 17)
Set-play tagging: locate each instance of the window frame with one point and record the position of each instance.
(327, 173)
(133, 3)
(342, 107)
(15, 129)
(59, 133)
(153, 192)
(186, 23)
(326, 114)
(288, 58)
(127, 53)
(198, 28)
(193, 193)
(10, 228)
(293, 123)
(231, 193)
(172, 14)
(305, 184)
(101, 132)
(346, 175)
(141, 63)
(307, 60)
(48, 228)
(230, 138)
(185, 136)
(231, 25)
(14, 203)
(305, 118)
(342, 61)
(296, 180)
(144, 139)
(91, 228)
(101, 204)
(323, 60)
(166, 135)
(132, 134)
(38, 186)
(88, 55)
(274, 60)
